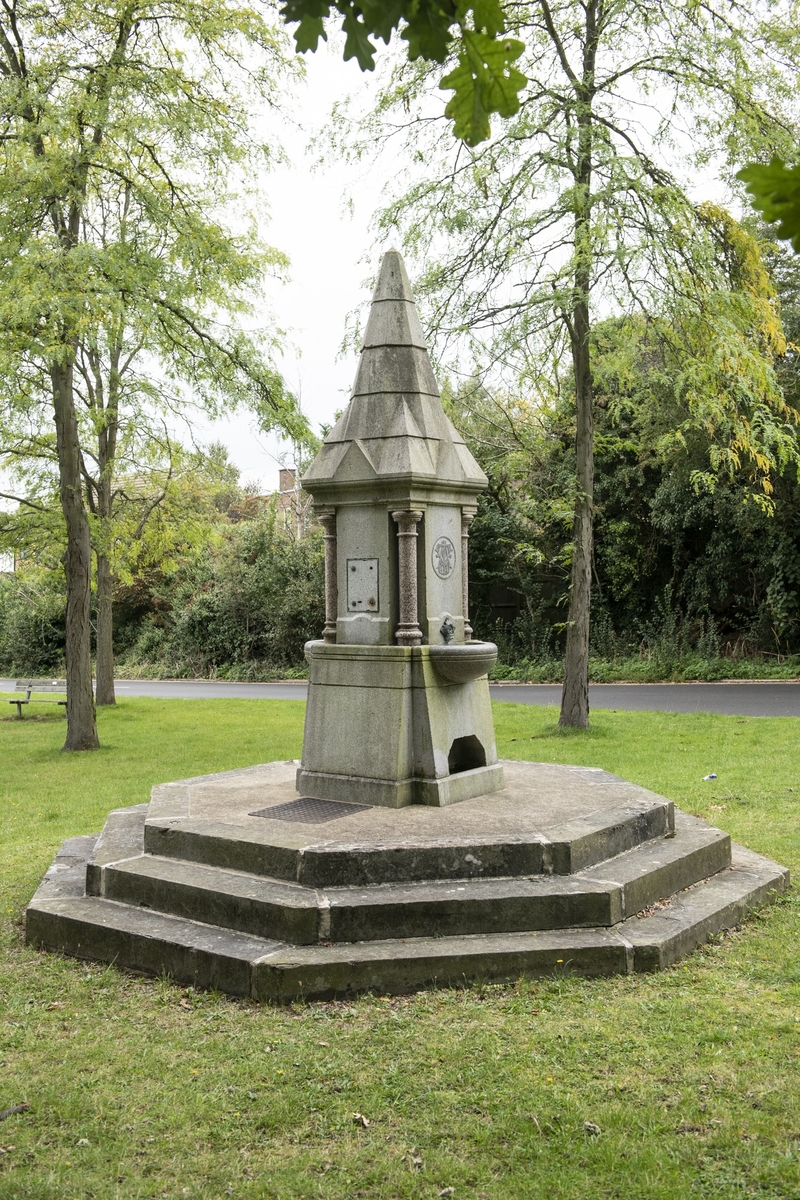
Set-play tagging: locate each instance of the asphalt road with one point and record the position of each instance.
(757, 699)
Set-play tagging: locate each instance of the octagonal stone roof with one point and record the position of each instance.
(393, 439)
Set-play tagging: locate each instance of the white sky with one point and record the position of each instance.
(332, 259)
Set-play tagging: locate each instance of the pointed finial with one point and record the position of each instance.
(392, 279)
(393, 319)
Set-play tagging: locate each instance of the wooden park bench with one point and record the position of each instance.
(38, 685)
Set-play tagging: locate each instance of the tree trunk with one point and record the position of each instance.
(104, 641)
(81, 723)
(107, 423)
(575, 693)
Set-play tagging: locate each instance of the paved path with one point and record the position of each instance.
(759, 699)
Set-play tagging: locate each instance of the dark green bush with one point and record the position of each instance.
(32, 609)
(241, 607)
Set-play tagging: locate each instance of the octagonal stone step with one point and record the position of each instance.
(266, 907)
(317, 860)
(230, 899)
(62, 917)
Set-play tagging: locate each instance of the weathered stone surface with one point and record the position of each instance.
(691, 917)
(380, 725)
(518, 829)
(262, 851)
(66, 875)
(393, 282)
(394, 438)
(410, 415)
(395, 966)
(62, 917)
(394, 324)
(204, 956)
(470, 906)
(604, 834)
(391, 369)
(403, 862)
(122, 837)
(659, 868)
(230, 899)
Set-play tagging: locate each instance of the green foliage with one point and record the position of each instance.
(775, 191)
(31, 623)
(697, 503)
(211, 583)
(484, 80)
(244, 605)
(125, 147)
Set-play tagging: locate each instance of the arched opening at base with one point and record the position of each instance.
(466, 753)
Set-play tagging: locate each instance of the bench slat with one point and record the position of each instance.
(41, 685)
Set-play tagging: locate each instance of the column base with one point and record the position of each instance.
(387, 793)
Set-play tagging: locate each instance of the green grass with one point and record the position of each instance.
(139, 1088)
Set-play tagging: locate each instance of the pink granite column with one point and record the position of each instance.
(467, 518)
(408, 632)
(328, 522)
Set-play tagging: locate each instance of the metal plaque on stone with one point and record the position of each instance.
(362, 585)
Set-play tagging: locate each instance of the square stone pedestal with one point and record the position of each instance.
(383, 728)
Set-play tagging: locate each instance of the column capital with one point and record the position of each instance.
(407, 520)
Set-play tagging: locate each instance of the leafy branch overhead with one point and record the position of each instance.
(775, 190)
(484, 80)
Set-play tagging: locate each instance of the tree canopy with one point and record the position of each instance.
(580, 207)
(484, 78)
(127, 148)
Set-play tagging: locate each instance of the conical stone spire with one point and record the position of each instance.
(394, 438)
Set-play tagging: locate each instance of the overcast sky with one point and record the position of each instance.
(329, 244)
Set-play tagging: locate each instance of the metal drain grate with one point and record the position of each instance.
(308, 811)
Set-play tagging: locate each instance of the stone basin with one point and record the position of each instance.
(463, 663)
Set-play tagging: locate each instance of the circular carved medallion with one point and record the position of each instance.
(443, 557)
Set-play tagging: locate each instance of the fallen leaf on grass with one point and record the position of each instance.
(592, 1129)
(54, 1004)
(701, 1129)
(184, 1003)
(447, 1191)
(361, 1120)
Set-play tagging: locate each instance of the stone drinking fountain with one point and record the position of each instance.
(399, 852)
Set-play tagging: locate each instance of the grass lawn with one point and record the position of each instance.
(138, 1088)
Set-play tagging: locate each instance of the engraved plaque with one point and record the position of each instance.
(362, 585)
(443, 557)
